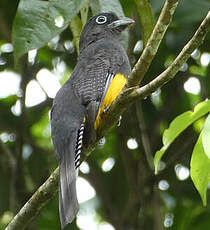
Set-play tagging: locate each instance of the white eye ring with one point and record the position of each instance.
(101, 19)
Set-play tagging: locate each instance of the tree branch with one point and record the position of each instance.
(128, 96)
(36, 202)
(144, 136)
(46, 191)
(171, 71)
(153, 43)
(141, 67)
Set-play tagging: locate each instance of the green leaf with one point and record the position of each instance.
(200, 169)
(206, 137)
(178, 125)
(94, 5)
(34, 24)
(84, 12)
(76, 28)
(146, 19)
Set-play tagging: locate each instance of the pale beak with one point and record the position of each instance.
(121, 23)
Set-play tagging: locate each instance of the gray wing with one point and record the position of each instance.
(95, 68)
(92, 76)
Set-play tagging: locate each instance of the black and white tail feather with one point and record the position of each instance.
(69, 164)
(78, 149)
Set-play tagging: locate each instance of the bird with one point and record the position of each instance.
(82, 102)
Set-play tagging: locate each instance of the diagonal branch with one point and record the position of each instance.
(141, 67)
(128, 96)
(33, 206)
(171, 71)
(153, 43)
(46, 191)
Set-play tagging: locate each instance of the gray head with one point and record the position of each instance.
(103, 25)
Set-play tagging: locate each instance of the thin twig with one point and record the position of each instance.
(144, 136)
(171, 71)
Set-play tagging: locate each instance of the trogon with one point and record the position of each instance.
(80, 105)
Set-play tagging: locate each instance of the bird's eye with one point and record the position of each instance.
(101, 19)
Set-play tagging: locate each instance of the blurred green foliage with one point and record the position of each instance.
(129, 196)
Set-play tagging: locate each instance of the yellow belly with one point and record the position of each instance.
(113, 91)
